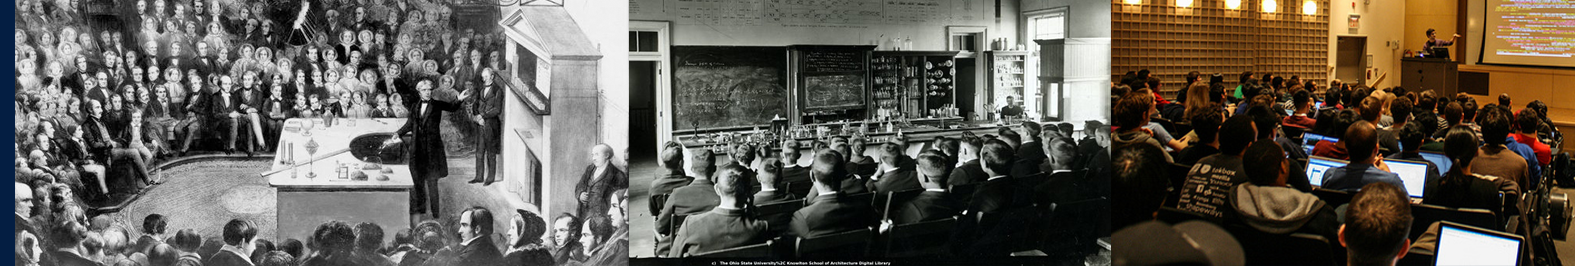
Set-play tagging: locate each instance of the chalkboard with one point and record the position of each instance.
(728, 86)
(834, 61)
(834, 92)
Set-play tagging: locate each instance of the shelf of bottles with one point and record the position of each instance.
(913, 84)
(1012, 74)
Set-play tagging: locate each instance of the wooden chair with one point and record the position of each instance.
(758, 251)
(884, 203)
(777, 213)
(851, 244)
(927, 238)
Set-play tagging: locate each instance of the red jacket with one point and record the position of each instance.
(1544, 153)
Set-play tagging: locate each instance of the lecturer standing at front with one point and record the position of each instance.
(428, 162)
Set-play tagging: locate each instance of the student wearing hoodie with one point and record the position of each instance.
(1268, 205)
(1209, 181)
(1131, 113)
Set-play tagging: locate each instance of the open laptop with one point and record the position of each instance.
(1438, 159)
(1310, 140)
(1316, 165)
(1467, 245)
(1412, 173)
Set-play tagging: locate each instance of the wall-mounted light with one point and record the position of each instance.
(1133, 2)
(1233, 4)
(1269, 6)
(1184, 3)
(1309, 7)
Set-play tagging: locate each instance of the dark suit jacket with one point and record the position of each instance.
(697, 197)
(717, 230)
(531, 255)
(489, 104)
(830, 214)
(598, 187)
(219, 108)
(667, 183)
(565, 253)
(768, 197)
(428, 159)
(480, 252)
(902, 179)
(226, 258)
(794, 174)
(994, 195)
(250, 98)
(970, 172)
(929, 205)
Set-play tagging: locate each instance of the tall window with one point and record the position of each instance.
(1044, 25)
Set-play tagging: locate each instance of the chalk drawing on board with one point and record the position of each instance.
(728, 86)
(834, 92)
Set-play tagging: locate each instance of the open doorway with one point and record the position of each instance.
(1349, 63)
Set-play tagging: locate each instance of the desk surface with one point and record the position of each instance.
(333, 145)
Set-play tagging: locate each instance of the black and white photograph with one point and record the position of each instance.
(321, 132)
(923, 132)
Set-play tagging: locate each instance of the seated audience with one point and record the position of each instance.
(1527, 122)
(727, 225)
(1365, 166)
(524, 244)
(1131, 113)
(671, 160)
(1461, 187)
(893, 176)
(1207, 185)
(1500, 155)
(238, 245)
(697, 197)
(1377, 222)
(1269, 205)
(1206, 126)
(932, 204)
(831, 211)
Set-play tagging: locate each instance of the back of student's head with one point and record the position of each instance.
(1333, 96)
(1503, 99)
(1453, 113)
(770, 172)
(1361, 141)
(1131, 111)
(163, 254)
(1342, 121)
(1528, 121)
(672, 157)
(1495, 124)
(1372, 109)
(703, 163)
(1236, 133)
(1139, 170)
(1062, 151)
(1468, 107)
(1377, 222)
(933, 168)
(1011, 139)
(997, 157)
(828, 169)
(1206, 124)
(277, 258)
(1426, 100)
(1264, 161)
(731, 181)
(1031, 128)
(1460, 145)
(1400, 109)
(1302, 98)
(187, 240)
(1264, 120)
(239, 231)
(1412, 135)
(154, 224)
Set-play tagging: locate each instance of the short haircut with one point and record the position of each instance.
(1139, 172)
(1301, 98)
(1503, 99)
(1032, 128)
(1011, 138)
(997, 157)
(1342, 121)
(186, 240)
(1412, 135)
(1377, 222)
(369, 236)
(1206, 124)
(1372, 108)
(1496, 124)
(703, 164)
(1361, 140)
(731, 181)
(1528, 121)
(154, 224)
(1236, 133)
(481, 220)
(1265, 120)
(1063, 151)
(601, 228)
(1468, 107)
(1132, 110)
(1426, 100)
(932, 166)
(828, 169)
(1400, 109)
(1245, 76)
(293, 246)
(239, 231)
(1262, 162)
(67, 233)
(277, 258)
(1453, 113)
(770, 172)
(672, 156)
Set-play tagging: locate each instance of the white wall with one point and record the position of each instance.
(1382, 22)
(606, 23)
(1087, 60)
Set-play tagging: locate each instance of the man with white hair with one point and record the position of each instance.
(24, 208)
(600, 179)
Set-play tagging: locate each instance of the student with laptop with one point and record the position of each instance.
(1366, 167)
(1269, 205)
(1461, 188)
(1411, 137)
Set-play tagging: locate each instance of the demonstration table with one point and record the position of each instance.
(306, 202)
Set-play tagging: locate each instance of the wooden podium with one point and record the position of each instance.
(1437, 74)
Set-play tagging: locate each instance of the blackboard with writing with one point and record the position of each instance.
(728, 86)
(832, 77)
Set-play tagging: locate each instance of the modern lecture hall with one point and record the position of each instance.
(1334, 132)
(870, 129)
